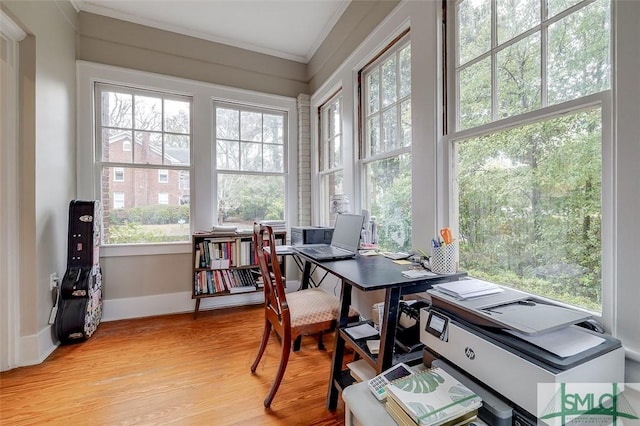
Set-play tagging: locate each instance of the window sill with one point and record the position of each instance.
(121, 250)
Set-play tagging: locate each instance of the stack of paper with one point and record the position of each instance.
(432, 397)
(361, 331)
(468, 288)
(417, 273)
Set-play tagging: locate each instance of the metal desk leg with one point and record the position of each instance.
(338, 351)
(388, 329)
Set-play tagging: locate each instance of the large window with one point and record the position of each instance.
(532, 81)
(386, 148)
(330, 156)
(145, 136)
(250, 152)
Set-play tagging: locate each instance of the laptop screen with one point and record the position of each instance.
(346, 234)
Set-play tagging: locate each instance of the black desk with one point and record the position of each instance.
(369, 273)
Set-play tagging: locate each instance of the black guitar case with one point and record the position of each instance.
(80, 293)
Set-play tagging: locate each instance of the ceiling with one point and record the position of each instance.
(290, 29)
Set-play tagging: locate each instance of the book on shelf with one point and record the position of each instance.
(431, 397)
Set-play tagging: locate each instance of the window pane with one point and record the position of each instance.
(330, 184)
(405, 123)
(335, 152)
(117, 110)
(244, 199)
(227, 155)
(335, 127)
(227, 123)
(177, 149)
(148, 112)
(136, 213)
(330, 135)
(373, 91)
(530, 208)
(519, 79)
(114, 146)
(516, 17)
(251, 155)
(557, 6)
(373, 130)
(389, 198)
(474, 29)
(273, 158)
(273, 128)
(148, 148)
(177, 118)
(579, 54)
(475, 94)
(251, 126)
(389, 77)
(405, 71)
(389, 129)
(185, 183)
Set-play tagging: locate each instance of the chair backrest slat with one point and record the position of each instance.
(275, 297)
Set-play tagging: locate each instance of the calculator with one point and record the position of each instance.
(378, 383)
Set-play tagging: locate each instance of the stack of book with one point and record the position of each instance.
(276, 225)
(431, 398)
(223, 229)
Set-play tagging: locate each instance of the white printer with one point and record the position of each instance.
(510, 341)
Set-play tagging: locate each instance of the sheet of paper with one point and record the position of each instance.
(417, 273)
(361, 331)
(565, 342)
(468, 288)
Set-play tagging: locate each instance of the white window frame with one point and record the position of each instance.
(163, 176)
(447, 212)
(366, 157)
(163, 198)
(243, 107)
(202, 157)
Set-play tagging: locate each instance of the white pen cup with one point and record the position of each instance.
(444, 259)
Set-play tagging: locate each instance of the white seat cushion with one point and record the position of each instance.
(312, 306)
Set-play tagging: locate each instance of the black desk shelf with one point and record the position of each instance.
(368, 273)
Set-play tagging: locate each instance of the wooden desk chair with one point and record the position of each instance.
(307, 311)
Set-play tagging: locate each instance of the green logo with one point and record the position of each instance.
(588, 404)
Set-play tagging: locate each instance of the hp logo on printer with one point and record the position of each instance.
(469, 353)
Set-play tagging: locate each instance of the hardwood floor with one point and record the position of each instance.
(172, 370)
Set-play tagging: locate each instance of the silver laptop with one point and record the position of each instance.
(344, 242)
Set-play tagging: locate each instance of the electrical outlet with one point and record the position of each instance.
(53, 280)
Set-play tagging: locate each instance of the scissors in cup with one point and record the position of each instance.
(445, 233)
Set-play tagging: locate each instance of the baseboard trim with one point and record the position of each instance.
(174, 303)
(34, 349)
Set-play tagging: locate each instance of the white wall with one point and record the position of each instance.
(627, 183)
(46, 162)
